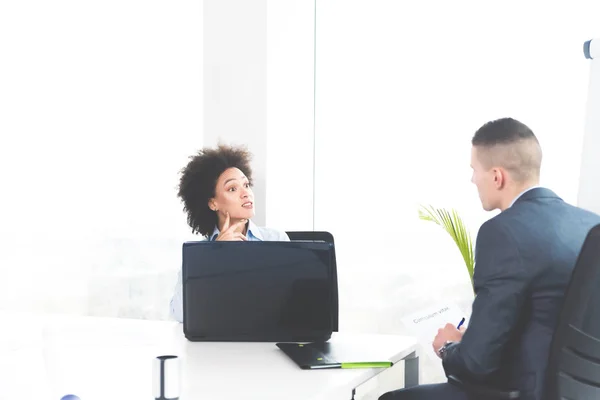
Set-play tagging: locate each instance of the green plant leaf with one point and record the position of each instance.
(451, 222)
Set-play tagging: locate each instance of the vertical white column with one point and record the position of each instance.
(290, 114)
(235, 82)
(589, 178)
(259, 91)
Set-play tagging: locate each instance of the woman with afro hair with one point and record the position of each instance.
(216, 191)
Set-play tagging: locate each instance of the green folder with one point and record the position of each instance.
(326, 355)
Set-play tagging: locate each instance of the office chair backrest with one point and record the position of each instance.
(574, 364)
(328, 238)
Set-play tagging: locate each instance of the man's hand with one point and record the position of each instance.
(233, 232)
(448, 333)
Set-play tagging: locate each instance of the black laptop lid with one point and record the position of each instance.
(257, 291)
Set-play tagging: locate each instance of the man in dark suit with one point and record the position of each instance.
(524, 257)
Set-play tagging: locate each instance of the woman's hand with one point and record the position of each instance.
(232, 232)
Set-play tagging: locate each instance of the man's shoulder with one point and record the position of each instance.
(533, 221)
(503, 228)
(587, 214)
(496, 223)
(547, 210)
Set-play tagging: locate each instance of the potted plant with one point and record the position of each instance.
(453, 224)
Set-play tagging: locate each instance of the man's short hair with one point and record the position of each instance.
(509, 144)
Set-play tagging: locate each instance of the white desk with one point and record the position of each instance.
(46, 357)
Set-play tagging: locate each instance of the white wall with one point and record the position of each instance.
(589, 190)
(100, 105)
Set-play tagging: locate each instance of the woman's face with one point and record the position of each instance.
(233, 195)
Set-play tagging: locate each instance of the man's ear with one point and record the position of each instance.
(499, 178)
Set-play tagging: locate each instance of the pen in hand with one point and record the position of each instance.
(462, 321)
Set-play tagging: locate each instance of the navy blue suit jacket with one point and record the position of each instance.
(524, 257)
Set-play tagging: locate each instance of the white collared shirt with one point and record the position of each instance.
(254, 233)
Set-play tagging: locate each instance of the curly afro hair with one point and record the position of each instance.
(199, 179)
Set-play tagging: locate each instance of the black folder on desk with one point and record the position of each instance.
(325, 355)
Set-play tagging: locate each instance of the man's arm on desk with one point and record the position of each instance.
(500, 285)
(177, 300)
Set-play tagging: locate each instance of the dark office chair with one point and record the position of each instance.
(328, 238)
(574, 362)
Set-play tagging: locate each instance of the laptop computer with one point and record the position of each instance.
(327, 355)
(327, 237)
(258, 291)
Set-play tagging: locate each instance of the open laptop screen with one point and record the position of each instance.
(257, 291)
